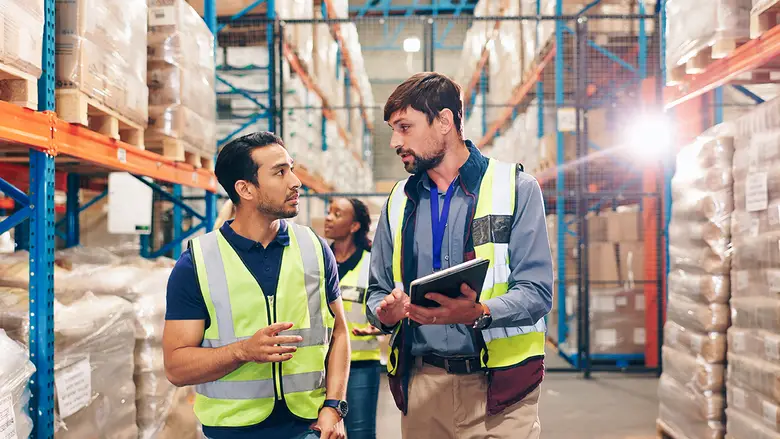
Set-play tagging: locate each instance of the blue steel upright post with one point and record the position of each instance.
(210, 16)
(42, 253)
(177, 220)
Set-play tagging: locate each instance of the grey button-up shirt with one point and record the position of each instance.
(530, 282)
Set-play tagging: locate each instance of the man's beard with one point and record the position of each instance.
(422, 164)
(276, 211)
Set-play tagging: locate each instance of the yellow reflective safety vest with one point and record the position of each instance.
(353, 294)
(238, 308)
(491, 227)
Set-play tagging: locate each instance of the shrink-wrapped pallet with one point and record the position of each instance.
(754, 338)
(21, 44)
(704, 28)
(182, 102)
(692, 387)
(15, 371)
(100, 50)
(93, 361)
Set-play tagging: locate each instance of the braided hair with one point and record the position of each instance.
(362, 217)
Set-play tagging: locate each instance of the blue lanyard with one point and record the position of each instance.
(439, 223)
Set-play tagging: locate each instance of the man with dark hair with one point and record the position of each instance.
(254, 318)
(473, 366)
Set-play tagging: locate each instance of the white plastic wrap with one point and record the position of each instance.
(22, 44)
(182, 103)
(100, 332)
(694, 25)
(15, 371)
(101, 52)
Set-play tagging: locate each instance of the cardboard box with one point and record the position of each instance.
(602, 262)
(631, 259)
(624, 226)
(549, 148)
(597, 229)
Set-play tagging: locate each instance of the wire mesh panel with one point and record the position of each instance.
(554, 85)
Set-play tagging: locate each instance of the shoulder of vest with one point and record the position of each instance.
(199, 237)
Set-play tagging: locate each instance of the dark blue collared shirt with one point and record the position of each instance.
(185, 302)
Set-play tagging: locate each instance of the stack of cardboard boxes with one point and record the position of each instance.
(754, 339)
(615, 271)
(691, 389)
(21, 47)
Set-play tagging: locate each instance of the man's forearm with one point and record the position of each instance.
(195, 365)
(338, 363)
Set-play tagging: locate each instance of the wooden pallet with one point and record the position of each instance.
(18, 87)
(764, 17)
(180, 151)
(75, 106)
(698, 61)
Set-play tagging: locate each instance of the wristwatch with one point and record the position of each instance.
(485, 319)
(341, 407)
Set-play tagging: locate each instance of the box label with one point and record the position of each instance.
(639, 336)
(567, 119)
(621, 301)
(639, 303)
(604, 304)
(770, 412)
(74, 387)
(162, 16)
(739, 398)
(757, 195)
(606, 338)
(773, 278)
(7, 418)
(772, 349)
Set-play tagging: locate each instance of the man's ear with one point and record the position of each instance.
(244, 189)
(446, 121)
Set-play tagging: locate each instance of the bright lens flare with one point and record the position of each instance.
(649, 136)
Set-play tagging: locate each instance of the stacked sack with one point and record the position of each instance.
(754, 339)
(93, 361)
(691, 389)
(141, 282)
(100, 52)
(15, 371)
(182, 102)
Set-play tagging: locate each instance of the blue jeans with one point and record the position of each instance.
(363, 397)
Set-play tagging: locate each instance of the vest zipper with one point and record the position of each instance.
(271, 304)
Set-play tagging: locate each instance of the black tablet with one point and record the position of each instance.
(448, 282)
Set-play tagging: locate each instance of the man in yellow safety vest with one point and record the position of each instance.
(254, 318)
(474, 366)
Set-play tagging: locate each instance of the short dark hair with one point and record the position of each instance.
(235, 163)
(429, 93)
(362, 217)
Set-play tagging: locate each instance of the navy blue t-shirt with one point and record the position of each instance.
(185, 302)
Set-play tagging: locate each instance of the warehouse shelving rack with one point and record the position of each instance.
(570, 190)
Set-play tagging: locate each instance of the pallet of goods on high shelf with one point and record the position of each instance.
(692, 387)
(101, 67)
(180, 76)
(700, 31)
(763, 16)
(15, 372)
(754, 337)
(21, 52)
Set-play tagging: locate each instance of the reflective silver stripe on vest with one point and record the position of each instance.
(502, 191)
(356, 314)
(314, 335)
(218, 286)
(237, 389)
(495, 333)
(303, 382)
(365, 345)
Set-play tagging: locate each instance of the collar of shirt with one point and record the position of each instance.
(246, 244)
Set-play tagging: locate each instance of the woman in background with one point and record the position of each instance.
(347, 224)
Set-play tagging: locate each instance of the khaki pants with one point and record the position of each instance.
(445, 406)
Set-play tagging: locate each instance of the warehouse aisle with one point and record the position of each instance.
(609, 406)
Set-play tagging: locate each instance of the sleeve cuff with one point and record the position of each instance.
(499, 311)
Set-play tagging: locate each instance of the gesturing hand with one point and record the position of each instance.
(266, 346)
(391, 310)
(368, 330)
(464, 309)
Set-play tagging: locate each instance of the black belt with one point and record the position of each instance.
(455, 366)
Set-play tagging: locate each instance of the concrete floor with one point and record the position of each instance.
(608, 406)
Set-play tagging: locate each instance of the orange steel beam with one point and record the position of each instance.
(745, 58)
(472, 84)
(297, 67)
(517, 97)
(312, 181)
(85, 144)
(25, 126)
(347, 59)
